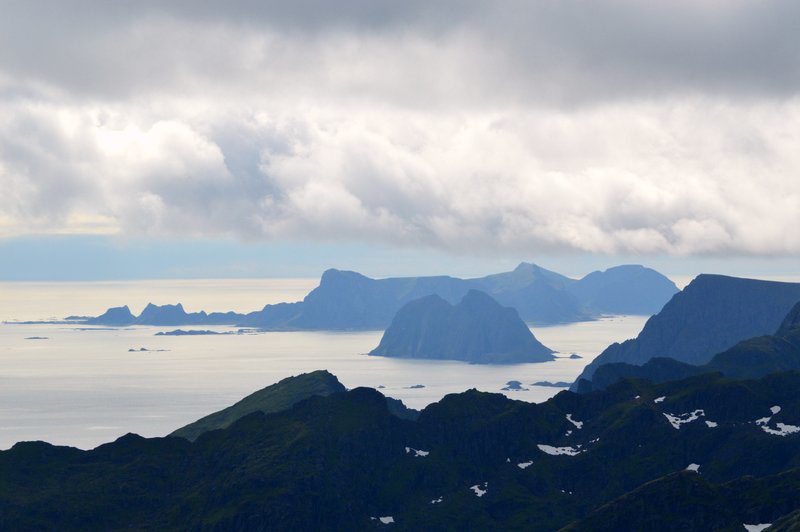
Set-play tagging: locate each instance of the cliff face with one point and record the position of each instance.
(710, 315)
(749, 359)
(477, 330)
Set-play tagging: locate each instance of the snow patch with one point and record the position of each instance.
(437, 501)
(578, 424)
(480, 492)
(757, 528)
(659, 399)
(712, 424)
(386, 520)
(417, 452)
(782, 430)
(556, 451)
(523, 465)
(680, 419)
(693, 467)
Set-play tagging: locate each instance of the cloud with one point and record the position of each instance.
(610, 127)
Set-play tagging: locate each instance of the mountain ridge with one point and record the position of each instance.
(710, 315)
(749, 359)
(348, 300)
(473, 459)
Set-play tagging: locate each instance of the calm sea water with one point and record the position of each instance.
(83, 387)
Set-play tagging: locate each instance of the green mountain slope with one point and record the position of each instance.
(274, 398)
(474, 461)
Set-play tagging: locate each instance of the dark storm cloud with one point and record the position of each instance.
(544, 51)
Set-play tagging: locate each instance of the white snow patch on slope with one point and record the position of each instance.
(693, 467)
(555, 451)
(386, 520)
(478, 491)
(523, 465)
(712, 424)
(782, 430)
(757, 528)
(437, 501)
(578, 424)
(417, 453)
(680, 419)
(659, 399)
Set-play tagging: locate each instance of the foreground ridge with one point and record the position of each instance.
(333, 462)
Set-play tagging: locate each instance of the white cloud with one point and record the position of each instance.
(487, 130)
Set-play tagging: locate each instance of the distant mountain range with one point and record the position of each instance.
(701, 453)
(477, 330)
(748, 359)
(710, 315)
(347, 300)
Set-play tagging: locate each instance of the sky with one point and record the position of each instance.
(261, 138)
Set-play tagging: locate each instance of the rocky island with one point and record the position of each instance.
(477, 330)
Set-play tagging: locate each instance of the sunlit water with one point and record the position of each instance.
(83, 387)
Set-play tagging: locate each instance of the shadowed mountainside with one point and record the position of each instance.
(749, 359)
(710, 315)
(473, 460)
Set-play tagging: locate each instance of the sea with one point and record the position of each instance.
(82, 386)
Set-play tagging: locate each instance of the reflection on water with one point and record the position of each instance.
(83, 387)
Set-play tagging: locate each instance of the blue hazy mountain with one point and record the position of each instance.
(163, 315)
(749, 359)
(477, 329)
(629, 289)
(349, 300)
(346, 300)
(114, 316)
(710, 315)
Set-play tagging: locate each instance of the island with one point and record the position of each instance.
(477, 330)
(181, 332)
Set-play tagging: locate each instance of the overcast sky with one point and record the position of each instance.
(461, 129)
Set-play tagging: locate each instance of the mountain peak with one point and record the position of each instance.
(333, 274)
(528, 267)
